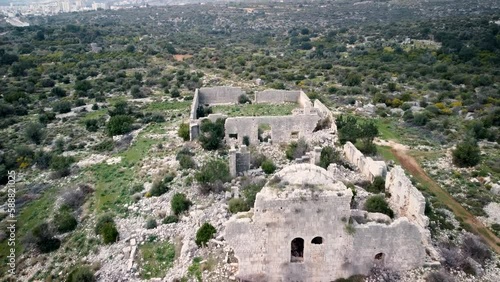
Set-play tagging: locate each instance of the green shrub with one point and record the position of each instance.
(62, 107)
(151, 223)
(328, 155)
(238, 205)
(212, 175)
(119, 124)
(101, 221)
(268, 166)
(212, 134)
(183, 131)
(170, 219)
(466, 154)
(377, 203)
(179, 203)
(92, 125)
(44, 238)
(61, 165)
(186, 162)
(65, 221)
(246, 140)
(160, 187)
(81, 274)
(296, 149)
(243, 99)
(204, 234)
(250, 192)
(377, 186)
(109, 233)
(106, 145)
(34, 132)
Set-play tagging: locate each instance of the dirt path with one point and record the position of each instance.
(411, 165)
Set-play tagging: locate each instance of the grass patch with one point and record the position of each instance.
(255, 109)
(168, 106)
(156, 259)
(386, 153)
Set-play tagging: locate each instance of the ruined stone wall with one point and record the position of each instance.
(304, 101)
(219, 95)
(324, 112)
(277, 96)
(405, 199)
(194, 105)
(314, 205)
(282, 127)
(366, 165)
(239, 160)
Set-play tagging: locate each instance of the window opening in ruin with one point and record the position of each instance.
(379, 256)
(233, 135)
(264, 132)
(297, 250)
(294, 135)
(317, 240)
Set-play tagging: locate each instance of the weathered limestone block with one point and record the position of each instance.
(405, 199)
(219, 95)
(239, 160)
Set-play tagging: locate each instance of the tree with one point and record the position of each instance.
(212, 134)
(212, 175)
(35, 132)
(204, 234)
(106, 227)
(348, 129)
(183, 131)
(62, 107)
(368, 132)
(377, 203)
(119, 124)
(328, 155)
(180, 203)
(467, 153)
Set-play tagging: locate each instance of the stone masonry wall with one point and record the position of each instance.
(239, 160)
(405, 199)
(324, 112)
(262, 243)
(367, 166)
(277, 96)
(219, 95)
(282, 127)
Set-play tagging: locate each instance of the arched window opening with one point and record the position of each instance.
(297, 250)
(317, 240)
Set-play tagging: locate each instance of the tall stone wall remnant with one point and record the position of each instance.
(366, 165)
(239, 160)
(219, 95)
(405, 199)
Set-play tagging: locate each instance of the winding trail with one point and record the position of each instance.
(410, 164)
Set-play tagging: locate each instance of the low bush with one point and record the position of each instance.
(106, 228)
(119, 124)
(212, 175)
(183, 131)
(64, 221)
(170, 219)
(439, 276)
(44, 238)
(81, 274)
(237, 205)
(160, 187)
(377, 186)
(186, 162)
(180, 203)
(151, 223)
(466, 154)
(377, 203)
(296, 149)
(204, 234)
(328, 155)
(268, 166)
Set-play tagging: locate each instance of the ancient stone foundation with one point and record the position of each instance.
(302, 122)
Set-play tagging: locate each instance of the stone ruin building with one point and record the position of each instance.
(302, 122)
(302, 228)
